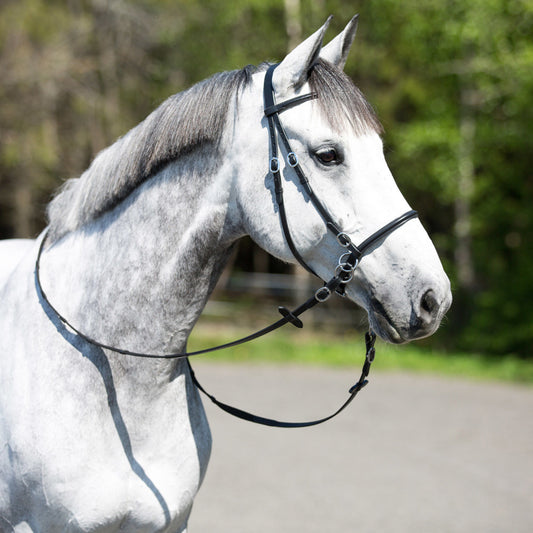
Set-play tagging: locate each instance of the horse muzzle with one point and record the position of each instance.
(418, 320)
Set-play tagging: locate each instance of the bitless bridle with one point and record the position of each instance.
(344, 270)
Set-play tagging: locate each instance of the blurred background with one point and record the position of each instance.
(451, 80)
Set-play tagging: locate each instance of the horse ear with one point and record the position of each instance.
(293, 71)
(336, 51)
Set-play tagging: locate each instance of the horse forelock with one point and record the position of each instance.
(186, 122)
(341, 101)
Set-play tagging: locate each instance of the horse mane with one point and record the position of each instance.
(184, 123)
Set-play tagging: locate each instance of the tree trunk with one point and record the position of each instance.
(463, 224)
(293, 25)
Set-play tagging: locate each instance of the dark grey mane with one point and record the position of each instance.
(184, 123)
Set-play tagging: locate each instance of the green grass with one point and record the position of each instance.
(292, 346)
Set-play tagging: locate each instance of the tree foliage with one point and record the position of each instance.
(451, 81)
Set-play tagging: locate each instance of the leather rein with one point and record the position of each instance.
(343, 273)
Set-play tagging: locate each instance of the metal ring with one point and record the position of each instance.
(345, 275)
(344, 267)
(322, 294)
(292, 159)
(349, 255)
(274, 165)
(344, 239)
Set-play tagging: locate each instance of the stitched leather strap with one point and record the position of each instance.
(278, 108)
(271, 113)
(274, 125)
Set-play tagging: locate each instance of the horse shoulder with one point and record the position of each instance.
(67, 423)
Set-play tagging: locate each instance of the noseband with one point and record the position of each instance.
(343, 271)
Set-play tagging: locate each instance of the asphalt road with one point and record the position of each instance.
(411, 454)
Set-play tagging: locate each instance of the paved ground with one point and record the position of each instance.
(411, 454)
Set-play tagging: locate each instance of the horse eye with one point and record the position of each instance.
(328, 156)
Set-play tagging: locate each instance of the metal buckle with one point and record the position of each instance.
(344, 239)
(292, 159)
(322, 294)
(344, 269)
(274, 165)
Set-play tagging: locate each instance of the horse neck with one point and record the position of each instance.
(139, 276)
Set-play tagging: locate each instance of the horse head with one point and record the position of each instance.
(336, 137)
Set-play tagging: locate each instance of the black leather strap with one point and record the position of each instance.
(319, 296)
(271, 113)
(275, 128)
(278, 108)
(370, 339)
(386, 230)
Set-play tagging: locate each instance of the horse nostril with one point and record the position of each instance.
(424, 319)
(427, 313)
(429, 303)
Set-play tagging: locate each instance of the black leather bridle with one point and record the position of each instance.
(349, 260)
(343, 273)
